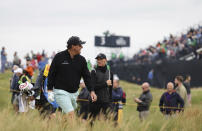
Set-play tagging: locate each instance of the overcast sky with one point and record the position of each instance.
(47, 24)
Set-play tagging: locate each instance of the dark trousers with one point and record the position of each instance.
(84, 110)
(97, 108)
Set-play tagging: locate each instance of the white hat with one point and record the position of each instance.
(19, 70)
(81, 81)
(15, 67)
(116, 77)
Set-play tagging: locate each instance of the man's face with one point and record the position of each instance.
(115, 83)
(77, 48)
(176, 81)
(101, 62)
(145, 88)
(189, 78)
(170, 87)
(82, 85)
(28, 63)
(18, 74)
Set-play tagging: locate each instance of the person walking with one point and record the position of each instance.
(102, 79)
(65, 74)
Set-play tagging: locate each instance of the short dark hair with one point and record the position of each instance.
(69, 46)
(179, 78)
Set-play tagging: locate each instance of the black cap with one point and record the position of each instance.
(101, 56)
(75, 40)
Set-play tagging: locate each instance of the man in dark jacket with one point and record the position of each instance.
(144, 101)
(102, 79)
(14, 87)
(170, 101)
(65, 74)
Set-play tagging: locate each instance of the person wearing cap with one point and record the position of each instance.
(118, 96)
(14, 88)
(102, 81)
(65, 74)
(22, 96)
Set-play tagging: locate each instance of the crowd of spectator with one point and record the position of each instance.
(171, 48)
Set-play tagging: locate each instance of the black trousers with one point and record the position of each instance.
(97, 108)
(84, 110)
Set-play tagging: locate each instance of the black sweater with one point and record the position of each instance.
(65, 73)
(102, 90)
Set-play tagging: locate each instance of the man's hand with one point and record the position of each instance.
(137, 100)
(50, 95)
(109, 82)
(93, 96)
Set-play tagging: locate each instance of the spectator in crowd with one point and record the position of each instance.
(84, 100)
(3, 59)
(171, 48)
(188, 88)
(23, 87)
(38, 56)
(29, 69)
(14, 88)
(144, 101)
(171, 102)
(151, 76)
(33, 63)
(43, 62)
(27, 57)
(16, 60)
(181, 90)
(102, 79)
(118, 97)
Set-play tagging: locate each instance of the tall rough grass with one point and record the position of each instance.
(191, 119)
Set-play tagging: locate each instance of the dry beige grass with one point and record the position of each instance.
(191, 119)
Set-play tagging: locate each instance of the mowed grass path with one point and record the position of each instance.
(191, 119)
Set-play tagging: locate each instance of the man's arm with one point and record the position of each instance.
(110, 87)
(52, 74)
(180, 101)
(87, 79)
(161, 103)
